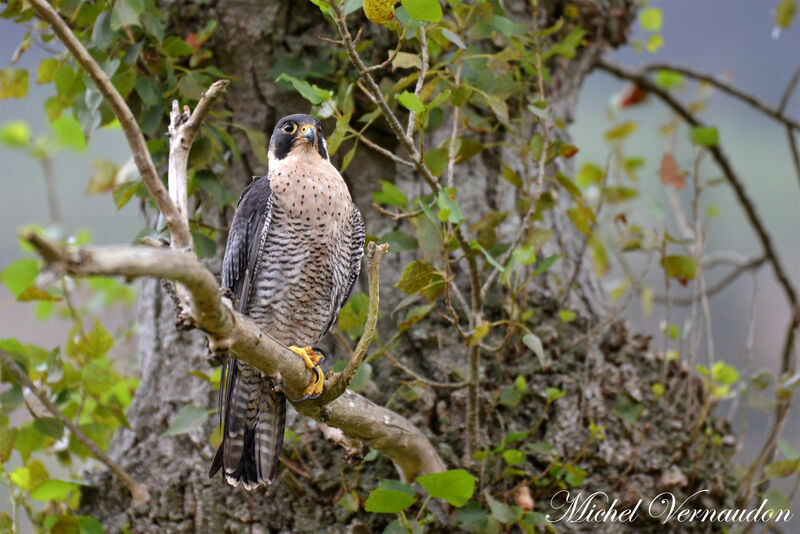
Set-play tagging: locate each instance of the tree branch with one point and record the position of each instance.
(727, 88)
(730, 175)
(237, 334)
(141, 155)
(139, 492)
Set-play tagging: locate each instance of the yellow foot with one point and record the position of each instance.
(312, 359)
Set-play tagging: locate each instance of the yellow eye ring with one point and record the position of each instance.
(289, 128)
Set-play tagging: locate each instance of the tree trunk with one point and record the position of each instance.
(635, 459)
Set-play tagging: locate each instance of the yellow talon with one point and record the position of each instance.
(312, 359)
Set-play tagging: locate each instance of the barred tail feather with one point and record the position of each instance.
(254, 421)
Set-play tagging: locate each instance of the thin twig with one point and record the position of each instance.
(753, 264)
(423, 71)
(141, 155)
(375, 254)
(419, 378)
(382, 151)
(725, 87)
(139, 492)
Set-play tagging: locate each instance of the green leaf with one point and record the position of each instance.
(480, 332)
(123, 193)
(303, 87)
(682, 267)
(621, 131)
(669, 79)
(453, 38)
(436, 160)
(395, 485)
(96, 342)
(349, 501)
(13, 83)
(7, 437)
(546, 263)
(54, 490)
(724, 373)
(520, 384)
(654, 43)
(47, 70)
(627, 409)
(514, 457)
(15, 134)
(785, 13)
(385, 501)
(525, 255)
(410, 101)
(20, 275)
(362, 376)
(782, 468)
(510, 176)
(68, 133)
(90, 525)
(449, 210)
(472, 518)
(390, 194)
(354, 313)
(420, 277)
(176, 47)
(189, 418)
(533, 342)
(428, 10)
(49, 427)
(650, 19)
(455, 486)
(567, 315)
(704, 135)
(474, 245)
(502, 512)
(126, 13)
(509, 397)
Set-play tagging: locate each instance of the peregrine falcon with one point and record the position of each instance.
(293, 255)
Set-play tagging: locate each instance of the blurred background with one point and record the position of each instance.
(735, 39)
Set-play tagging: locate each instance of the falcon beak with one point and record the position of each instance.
(308, 134)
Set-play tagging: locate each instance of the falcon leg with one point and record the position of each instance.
(312, 358)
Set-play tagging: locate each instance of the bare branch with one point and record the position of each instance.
(229, 331)
(375, 254)
(416, 376)
(730, 175)
(787, 93)
(183, 128)
(141, 155)
(139, 492)
(727, 88)
(423, 71)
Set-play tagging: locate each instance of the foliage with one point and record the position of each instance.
(470, 69)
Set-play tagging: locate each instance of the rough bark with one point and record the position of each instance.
(632, 461)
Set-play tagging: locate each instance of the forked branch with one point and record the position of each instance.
(238, 335)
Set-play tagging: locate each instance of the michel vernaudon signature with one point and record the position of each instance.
(594, 508)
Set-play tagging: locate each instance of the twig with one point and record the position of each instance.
(183, 128)
(579, 260)
(382, 151)
(787, 93)
(730, 175)
(725, 87)
(141, 155)
(451, 149)
(139, 492)
(423, 71)
(375, 254)
(229, 331)
(416, 376)
(752, 264)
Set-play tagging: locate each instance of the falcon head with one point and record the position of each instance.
(296, 134)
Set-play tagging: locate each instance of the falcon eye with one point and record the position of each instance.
(290, 128)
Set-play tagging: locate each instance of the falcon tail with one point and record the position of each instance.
(254, 420)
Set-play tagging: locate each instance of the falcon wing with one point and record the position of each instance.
(247, 234)
(350, 260)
